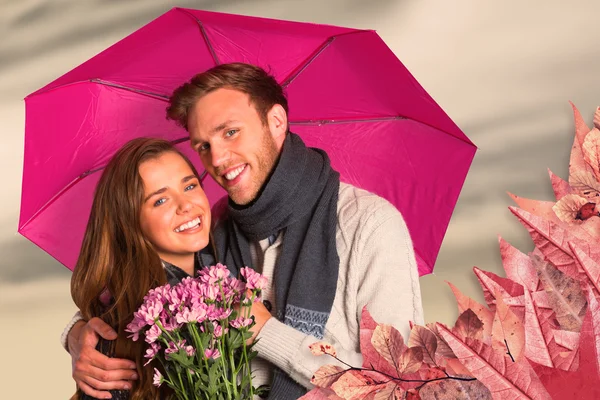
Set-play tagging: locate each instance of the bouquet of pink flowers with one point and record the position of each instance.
(198, 330)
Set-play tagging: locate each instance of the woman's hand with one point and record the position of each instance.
(94, 372)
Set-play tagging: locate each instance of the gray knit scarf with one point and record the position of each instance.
(300, 199)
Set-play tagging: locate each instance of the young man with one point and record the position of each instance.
(328, 248)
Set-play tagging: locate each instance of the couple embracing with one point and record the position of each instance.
(326, 247)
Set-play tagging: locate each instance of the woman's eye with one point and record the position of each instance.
(159, 202)
(231, 132)
(190, 187)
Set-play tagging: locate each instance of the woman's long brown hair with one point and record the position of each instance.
(115, 255)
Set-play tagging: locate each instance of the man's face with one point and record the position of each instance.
(237, 150)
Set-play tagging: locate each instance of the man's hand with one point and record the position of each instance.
(261, 316)
(94, 372)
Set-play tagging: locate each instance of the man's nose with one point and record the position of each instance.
(219, 155)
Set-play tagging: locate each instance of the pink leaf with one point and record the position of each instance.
(371, 357)
(566, 339)
(391, 391)
(537, 207)
(560, 186)
(451, 389)
(353, 385)
(540, 299)
(504, 379)
(553, 241)
(326, 375)
(320, 394)
(484, 315)
(591, 151)
(389, 344)
(468, 325)
(508, 330)
(492, 284)
(577, 162)
(411, 360)
(590, 267)
(565, 295)
(536, 347)
(320, 348)
(424, 338)
(518, 266)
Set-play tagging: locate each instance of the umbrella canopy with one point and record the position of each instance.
(348, 94)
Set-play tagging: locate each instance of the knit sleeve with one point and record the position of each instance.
(387, 272)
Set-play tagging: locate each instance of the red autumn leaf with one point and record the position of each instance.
(504, 378)
(456, 368)
(424, 338)
(561, 187)
(584, 383)
(536, 344)
(371, 357)
(507, 331)
(411, 360)
(566, 339)
(452, 389)
(518, 266)
(391, 391)
(353, 385)
(320, 348)
(591, 151)
(484, 314)
(443, 351)
(321, 394)
(540, 208)
(389, 343)
(553, 241)
(326, 375)
(577, 162)
(492, 284)
(590, 267)
(565, 295)
(468, 325)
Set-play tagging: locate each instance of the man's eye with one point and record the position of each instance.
(159, 202)
(231, 132)
(203, 146)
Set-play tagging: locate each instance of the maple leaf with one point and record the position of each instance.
(591, 151)
(540, 208)
(468, 325)
(425, 339)
(518, 266)
(452, 389)
(504, 378)
(508, 332)
(553, 242)
(560, 187)
(353, 385)
(577, 162)
(590, 268)
(565, 295)
(371, 357)
(327, 375)
(484, 314)
(494, 285)
(584, 383)
(320, 348)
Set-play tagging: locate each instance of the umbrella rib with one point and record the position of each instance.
(317, 122)
(129, 89)
(294, 74)
(204, 36)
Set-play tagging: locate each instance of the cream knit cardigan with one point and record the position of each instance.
(377, 269)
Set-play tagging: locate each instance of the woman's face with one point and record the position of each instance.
(175, 214)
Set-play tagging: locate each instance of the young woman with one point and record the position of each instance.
(149, 219)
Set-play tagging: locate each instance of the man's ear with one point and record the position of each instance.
(278, 123)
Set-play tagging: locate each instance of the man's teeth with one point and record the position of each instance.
(233, 174)
(188, 225)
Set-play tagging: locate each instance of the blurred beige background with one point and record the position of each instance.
(503, 72)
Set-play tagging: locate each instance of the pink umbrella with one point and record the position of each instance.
(348, 94)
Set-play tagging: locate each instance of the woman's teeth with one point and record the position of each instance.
(188, 225)
(233, 174)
